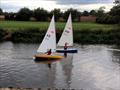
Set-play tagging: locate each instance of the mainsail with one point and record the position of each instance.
(49, 41)
(67, 35)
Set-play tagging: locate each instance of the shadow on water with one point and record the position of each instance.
(47, 62)
(116, 57)
(51, 72)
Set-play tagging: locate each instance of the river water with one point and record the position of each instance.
(94, 67)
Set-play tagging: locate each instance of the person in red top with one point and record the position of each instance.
(49, 52)
(65, 47)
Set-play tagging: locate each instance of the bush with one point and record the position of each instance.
(2, 34)
(80, 36)
(107, 19)
(97, 37)
(28, 36)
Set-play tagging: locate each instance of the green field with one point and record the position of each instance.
(16, 25)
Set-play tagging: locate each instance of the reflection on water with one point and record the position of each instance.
(116, 57)
(94, 67)
(67, 68)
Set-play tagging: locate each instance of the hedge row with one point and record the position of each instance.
(80, 36)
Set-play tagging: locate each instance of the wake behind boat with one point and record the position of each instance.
(67, 38)
(48, 43)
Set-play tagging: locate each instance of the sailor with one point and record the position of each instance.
(65, 47)
(49, 52)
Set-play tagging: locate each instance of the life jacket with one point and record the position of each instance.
(49, 52)
(65, 47)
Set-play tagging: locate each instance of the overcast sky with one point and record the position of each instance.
(81, 5)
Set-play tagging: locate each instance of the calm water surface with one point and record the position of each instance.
(94, 67)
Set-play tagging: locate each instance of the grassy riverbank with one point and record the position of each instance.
(17, 25)
(84, 33)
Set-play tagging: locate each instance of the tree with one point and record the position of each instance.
(24, 14)
(1, 12)
(107, 19)
(93, 13)
(117, 2)
(85, 13)
(57, 14)
(75, 14)
(40, 14)
(100, 11)
(115, 11)
(10, 16)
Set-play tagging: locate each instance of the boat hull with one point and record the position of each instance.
(43, 57)
(67, 51)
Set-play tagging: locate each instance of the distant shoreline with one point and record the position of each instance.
(80, 36)
(84, 33)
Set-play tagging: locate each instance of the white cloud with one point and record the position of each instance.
(67, 2)
(89, 7)
(15, 5)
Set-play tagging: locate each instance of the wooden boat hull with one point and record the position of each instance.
(67, 51)
(47, 57)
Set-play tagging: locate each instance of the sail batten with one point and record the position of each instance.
(67, 35)
(49, 41)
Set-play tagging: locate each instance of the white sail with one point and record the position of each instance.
(67, 35)
(49, 41)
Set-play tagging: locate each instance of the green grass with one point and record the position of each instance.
(16, 25)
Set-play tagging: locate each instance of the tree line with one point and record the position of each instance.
(40, 14)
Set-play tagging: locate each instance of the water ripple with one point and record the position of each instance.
(94, 67)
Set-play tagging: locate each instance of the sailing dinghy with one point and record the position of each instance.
(67, 37)
(49, 42)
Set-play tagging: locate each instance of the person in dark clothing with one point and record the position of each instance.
(49, 52)
(65, 47)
